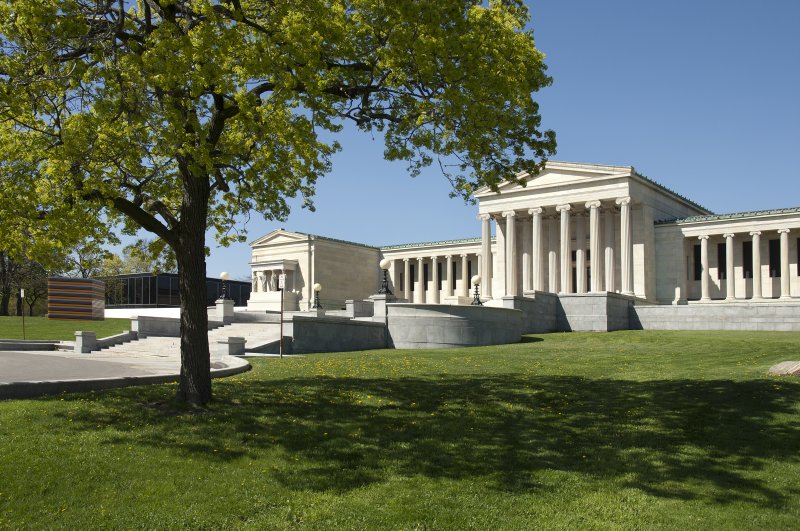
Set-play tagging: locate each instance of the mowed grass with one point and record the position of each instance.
(634, 430)
(57, 329)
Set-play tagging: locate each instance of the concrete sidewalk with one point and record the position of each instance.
(35, 373)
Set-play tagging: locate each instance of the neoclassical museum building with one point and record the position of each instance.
(574, 230)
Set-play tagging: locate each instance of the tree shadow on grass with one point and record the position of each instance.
(681, 439)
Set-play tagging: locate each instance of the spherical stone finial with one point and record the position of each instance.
(317, 287)
(476, 280)
(385, 263)
(224, 275)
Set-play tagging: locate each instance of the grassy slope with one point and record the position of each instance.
(626, 430)
(44, 328)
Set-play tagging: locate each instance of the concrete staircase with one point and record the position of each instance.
(258, 336)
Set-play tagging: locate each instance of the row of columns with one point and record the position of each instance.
(730, 281)
(419, 293)
(561, 239)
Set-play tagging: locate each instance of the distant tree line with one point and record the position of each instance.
(87, 260)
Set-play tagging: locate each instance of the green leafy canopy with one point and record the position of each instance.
(127, 109)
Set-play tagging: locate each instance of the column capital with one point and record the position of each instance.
(703, 237)
(406, 260)
(509, 213)
(464, 255)
(535, 211)
(484, 217)
(755, 233)
(448, 256)
(563, 207)
(783, 231)
(728, 235)
(420, 259)
(623, 200)
(593, 204)
(434, 258)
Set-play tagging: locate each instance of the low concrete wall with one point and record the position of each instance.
(359, 308)
(333, 334)
(441, 325)
(767, 316)
(539, 311)
(162, 326)
(21, 344)
(256, 317)
(593, 312)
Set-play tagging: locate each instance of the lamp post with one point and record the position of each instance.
(385, 263)
(224, 276)
(476, 281)
(317, 289)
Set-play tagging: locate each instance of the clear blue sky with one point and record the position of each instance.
(702, 96)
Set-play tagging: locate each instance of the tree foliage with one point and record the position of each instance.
(179, 115)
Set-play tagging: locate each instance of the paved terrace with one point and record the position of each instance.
(148, 361)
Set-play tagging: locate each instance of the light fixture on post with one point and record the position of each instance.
(385, 263)
(224, 276)
(476, 281)
(317, 289)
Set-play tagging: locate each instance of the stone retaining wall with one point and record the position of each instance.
(333, 334)
(441, 325)
(772, 316)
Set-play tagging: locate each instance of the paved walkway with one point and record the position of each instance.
(35, 373)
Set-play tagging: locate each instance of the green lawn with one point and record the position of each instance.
(634, 430)
(44, 328)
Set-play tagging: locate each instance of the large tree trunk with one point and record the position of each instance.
(195, 379)
(20, 307)
(5, 299)
(5, 283)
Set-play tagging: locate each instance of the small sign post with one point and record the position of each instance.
(281, 285)
(22, 301)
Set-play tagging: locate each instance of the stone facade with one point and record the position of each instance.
(574, 229)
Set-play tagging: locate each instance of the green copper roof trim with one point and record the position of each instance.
(336, 240)
(734, 215)
(430, 244)
(676, 194)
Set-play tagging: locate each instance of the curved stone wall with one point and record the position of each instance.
(442, 325)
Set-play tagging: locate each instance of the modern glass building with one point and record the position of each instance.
(146, 290)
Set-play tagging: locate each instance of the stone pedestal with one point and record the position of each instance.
(231, 346)
(379, 303)
(225, 310)
(271, 301)
(85, 342)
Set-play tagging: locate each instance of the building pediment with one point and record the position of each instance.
(558, 174)
(278, 237)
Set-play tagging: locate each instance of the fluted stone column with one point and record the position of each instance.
(434, 292)
(609, 251)
(511, 253)
(464, 280)
(785, 277)
(566, 255)
(448, 285)
(486, 254)
(730, 284)
(536, 249)
(757, 290)
(419, 293)
(594, 245)
(552, 255)
(625, 247)
(704, 275)
(580, 253)
(407, 280)
(525, 243)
